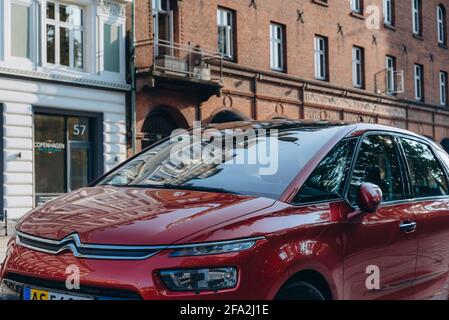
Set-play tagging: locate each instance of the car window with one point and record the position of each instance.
(426, 174)
(328, 179)
(260, 165)
(378, 163)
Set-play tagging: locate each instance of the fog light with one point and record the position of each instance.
(200, 279)
(9, 290)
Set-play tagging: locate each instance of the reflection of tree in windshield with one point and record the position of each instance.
(229, 160)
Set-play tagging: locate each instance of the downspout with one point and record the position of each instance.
(133, 78)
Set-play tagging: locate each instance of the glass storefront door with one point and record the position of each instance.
(62, 155)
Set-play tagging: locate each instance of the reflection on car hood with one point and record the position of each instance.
(136, 216)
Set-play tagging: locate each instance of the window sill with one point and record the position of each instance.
(357, 15)
(321, 3)
(418, 36)
(389, 26)
(442, 46)
(278, 70)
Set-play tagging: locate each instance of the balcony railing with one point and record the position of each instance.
(192, 62)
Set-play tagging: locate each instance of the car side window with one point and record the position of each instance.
(426, 174)
(328, 179)
(378, 163)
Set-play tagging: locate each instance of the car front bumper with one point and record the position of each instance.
(258, 277)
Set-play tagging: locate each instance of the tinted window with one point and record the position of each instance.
(378, 163)
(156, 167)
(328, 179)
(426, 175)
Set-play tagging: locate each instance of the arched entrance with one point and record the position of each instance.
(228, 116)
(160, 123)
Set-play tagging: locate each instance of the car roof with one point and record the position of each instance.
(353, 128)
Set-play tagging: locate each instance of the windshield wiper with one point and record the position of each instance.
(175, 187)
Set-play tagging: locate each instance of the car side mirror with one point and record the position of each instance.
(370, 197)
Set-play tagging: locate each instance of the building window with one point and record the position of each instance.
(20, 30)
(443, 88)
(225, 21)
(65, 35)
(416, 17)
(163, 26)
(277, 49)
(111, 47)
(419, 83)
(390, 64)
(357, 6)
(388, 12)
(441, 25)
(321, 58)
(358, 67)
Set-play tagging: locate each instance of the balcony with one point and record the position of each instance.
(187, 67)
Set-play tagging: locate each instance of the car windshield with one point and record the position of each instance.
(251, 162)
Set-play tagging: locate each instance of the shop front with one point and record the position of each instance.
(65, 152)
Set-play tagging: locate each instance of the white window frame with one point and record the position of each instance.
(443, 88)
(356, 6)
(391, 81)
(9, 59)
(357, 67)
(320, 49)
(277, 62)
(441, 23)
(90, 39)
(57, 25)
(225, 20)
(416, 17)
(418, 82)
(388, 12)
(116, 22)
(158, 10)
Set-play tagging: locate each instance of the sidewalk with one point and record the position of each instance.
(4, 240)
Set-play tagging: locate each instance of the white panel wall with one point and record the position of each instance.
(19, 97)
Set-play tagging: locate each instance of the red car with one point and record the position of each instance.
(352, 211)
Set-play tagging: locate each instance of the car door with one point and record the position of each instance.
(381, 245)
(429, 186)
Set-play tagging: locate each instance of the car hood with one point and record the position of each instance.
(136, 216)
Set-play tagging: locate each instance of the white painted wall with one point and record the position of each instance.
(19, 97)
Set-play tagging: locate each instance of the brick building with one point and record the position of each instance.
(382, 61)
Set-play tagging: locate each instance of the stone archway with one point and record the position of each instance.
(160, 123)
(228, 115)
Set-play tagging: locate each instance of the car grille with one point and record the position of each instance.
(89, 251)
(105, 293)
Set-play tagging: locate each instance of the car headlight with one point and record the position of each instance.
(200, 279)
(214, 248)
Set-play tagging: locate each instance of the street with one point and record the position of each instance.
(4, 239)
(3, 242)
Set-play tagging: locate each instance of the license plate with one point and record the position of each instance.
(46, 295)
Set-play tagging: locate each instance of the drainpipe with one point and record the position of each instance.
(133, 77)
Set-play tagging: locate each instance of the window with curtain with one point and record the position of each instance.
(20, 30)
(277, 47)
(111, 47)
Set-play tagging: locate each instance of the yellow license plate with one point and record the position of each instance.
(45, 295)
(35, 294)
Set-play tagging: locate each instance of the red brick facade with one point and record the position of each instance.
(251, 89)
